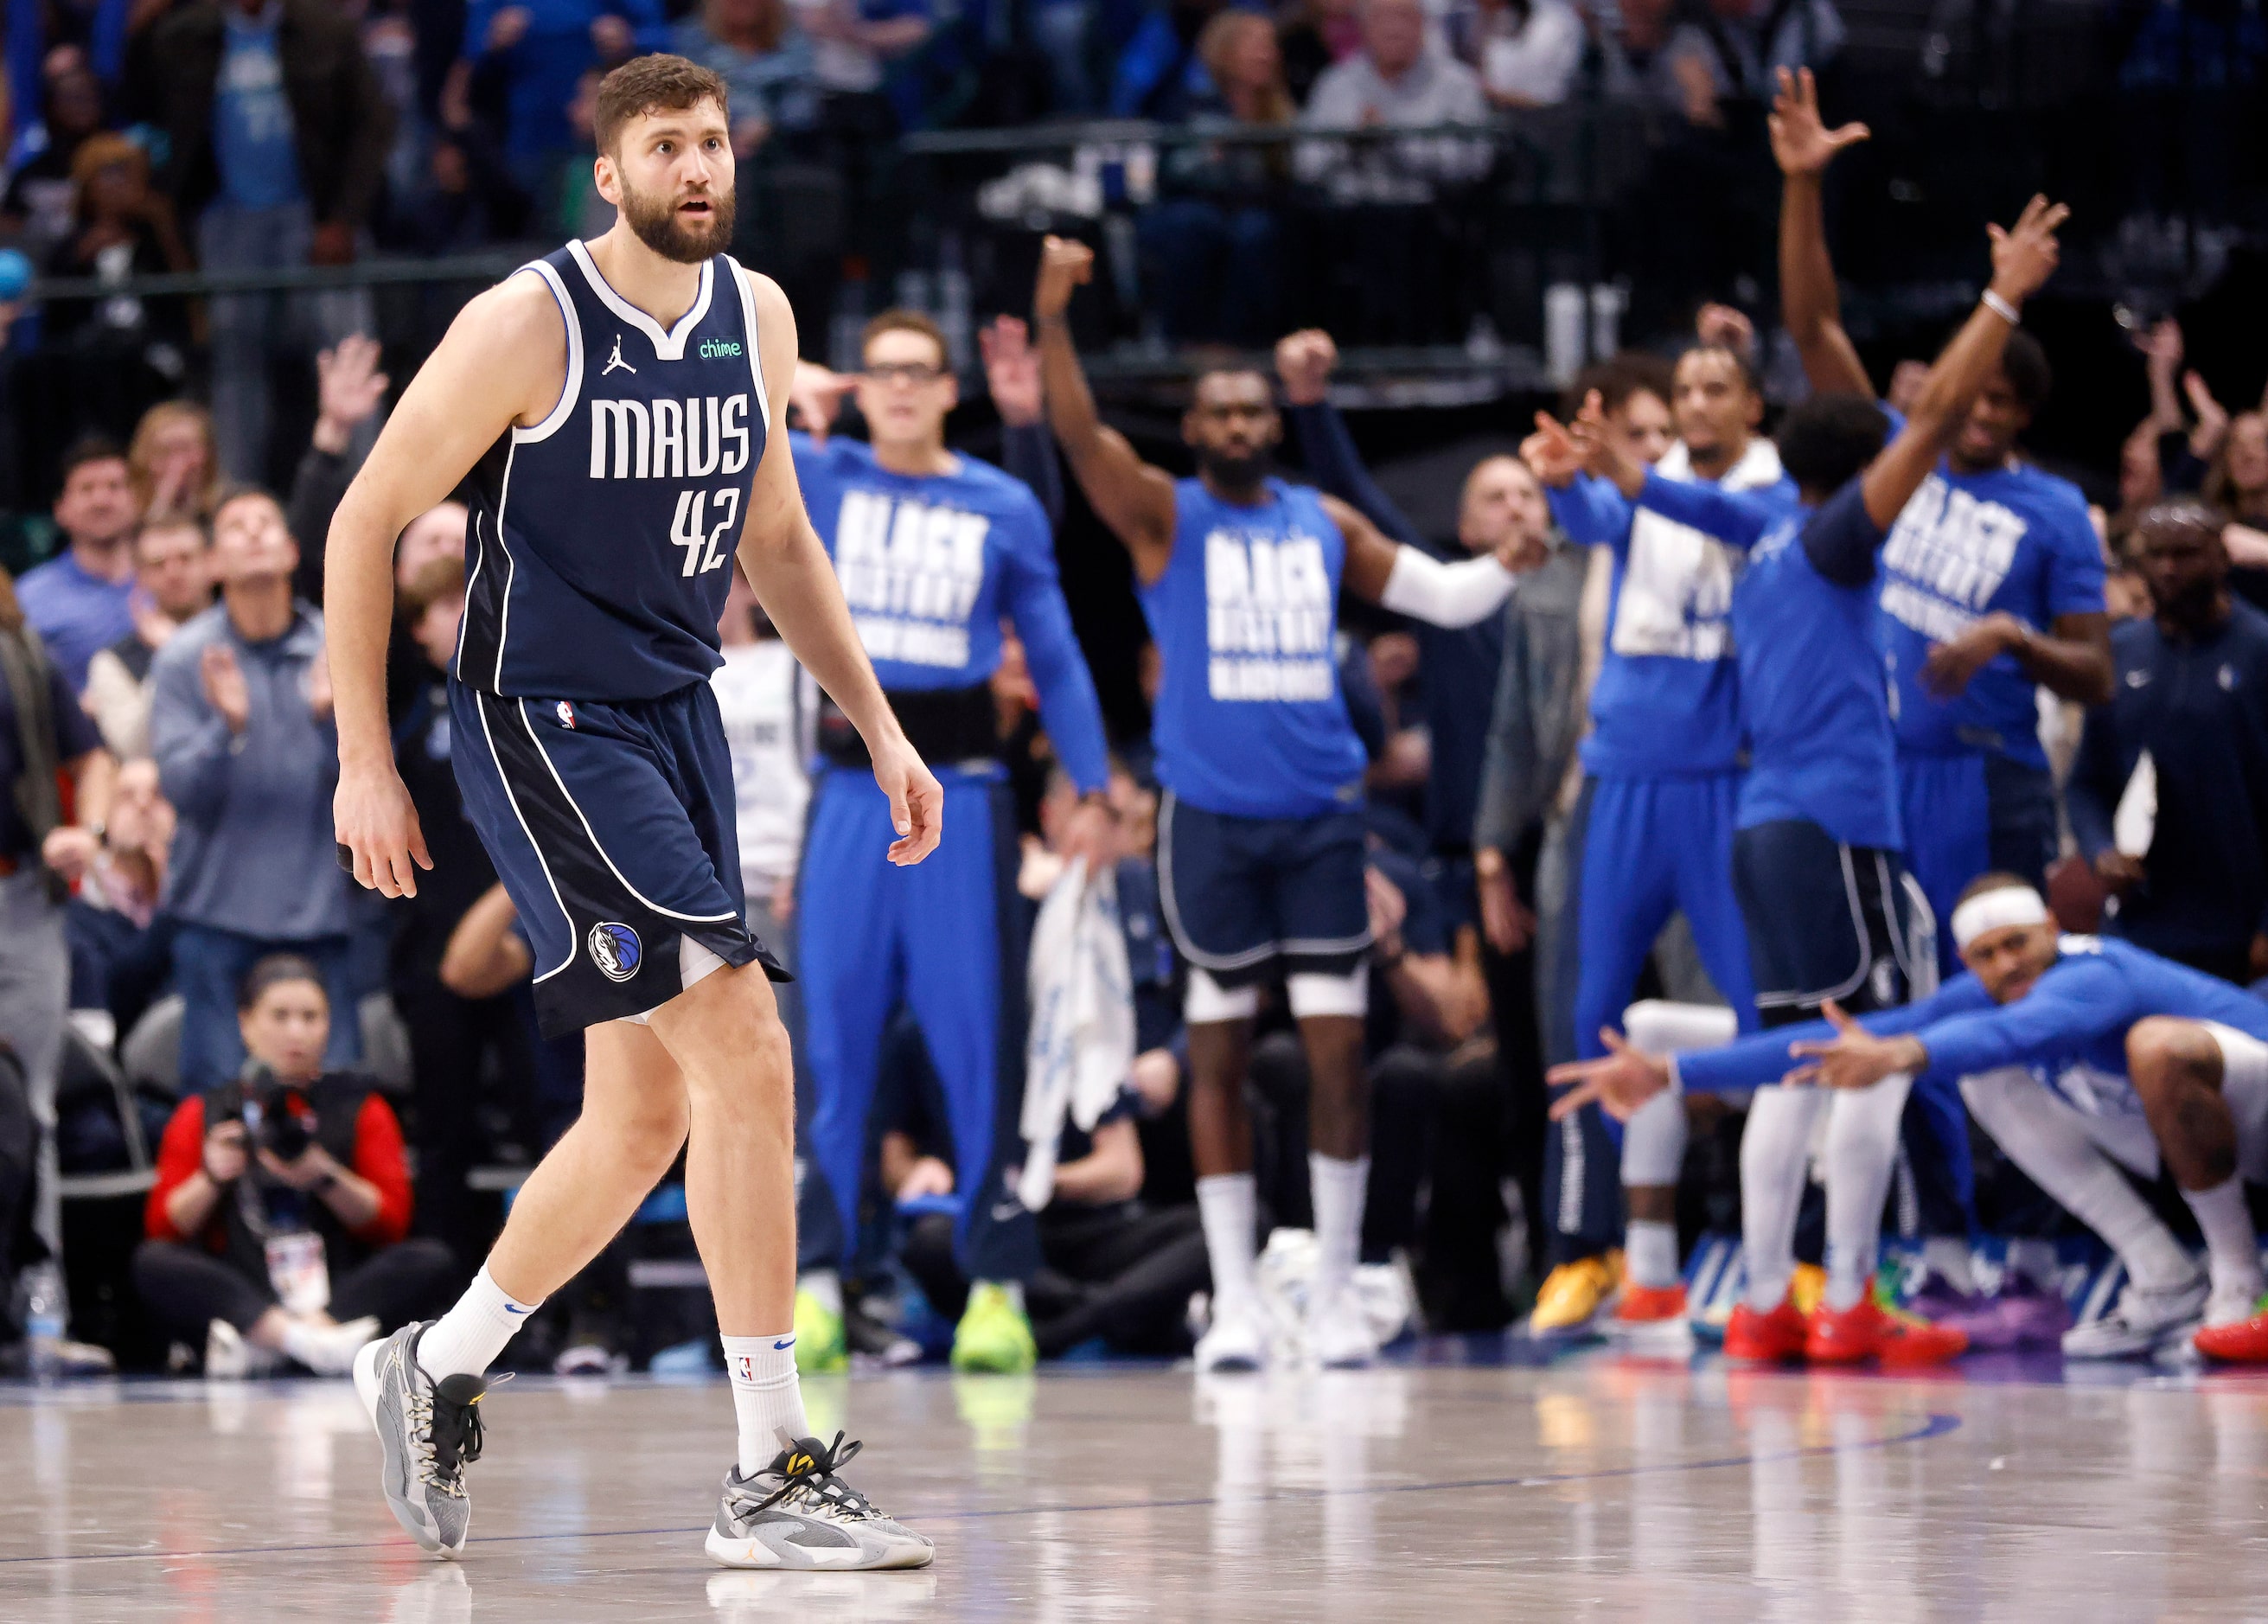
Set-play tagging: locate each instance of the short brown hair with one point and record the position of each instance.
(656, 83)
(903, 320)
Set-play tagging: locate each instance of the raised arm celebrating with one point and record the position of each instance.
(1811, 308)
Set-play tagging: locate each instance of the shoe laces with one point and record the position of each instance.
(808, 1482)
(448, 1435)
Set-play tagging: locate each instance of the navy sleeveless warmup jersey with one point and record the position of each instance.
(602, 539)
(592, 757)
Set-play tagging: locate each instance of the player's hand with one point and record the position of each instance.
(1605, 454)
(917, 803)
(1304, 361)
(1091, 831)
(1801, 144)
(1012, 371)
(1854, 1057)
(815, 396)
(2024, 255)
(376, 823)
(1551, 454)
(1950, 666)
(1723, 326)
(1620, 1082)
(1065, 265)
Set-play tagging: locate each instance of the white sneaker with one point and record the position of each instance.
(330, 1350)
(2233, 1303)
(799, 1513)
(1235, 1340)
(2139, 1324)
(228, 1356)
(1339, 1337)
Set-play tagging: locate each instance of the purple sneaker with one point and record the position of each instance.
(1967, 1311)
(2028, 1315)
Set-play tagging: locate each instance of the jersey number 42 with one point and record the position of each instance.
(705, 546)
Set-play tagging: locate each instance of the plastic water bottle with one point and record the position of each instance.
(44, 1314)
(15, 274)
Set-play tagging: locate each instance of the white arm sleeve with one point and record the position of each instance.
(1422, 587)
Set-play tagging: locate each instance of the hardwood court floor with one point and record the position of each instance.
(1462, 1487)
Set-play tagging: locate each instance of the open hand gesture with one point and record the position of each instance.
(1854, 1057)
(1620, 1082)
(1801, 144)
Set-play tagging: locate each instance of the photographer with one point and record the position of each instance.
(283, 1199)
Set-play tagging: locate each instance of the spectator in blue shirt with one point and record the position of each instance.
(2192, 694)
(240, 724)
(79, 602)
(537, 52)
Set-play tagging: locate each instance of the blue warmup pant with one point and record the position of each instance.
(946, 937)
(1970, 813)
(1641, 850)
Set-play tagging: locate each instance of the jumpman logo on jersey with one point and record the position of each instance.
(615, 361)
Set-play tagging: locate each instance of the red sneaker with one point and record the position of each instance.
(2245, 1342)
(1650, 1305)
(1778, 1335)
(1867, 1330)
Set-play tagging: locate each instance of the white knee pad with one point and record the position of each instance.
(1660, 1027)
(694, 963)
(1653, 1143)
(1206, 1000)
(2244, 1087)
(1312, 993)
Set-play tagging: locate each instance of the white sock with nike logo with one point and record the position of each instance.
(766, 1399)
(467, 1340)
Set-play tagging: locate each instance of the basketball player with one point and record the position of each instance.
(1260, 837)
(934, 549)
(616, 412)
(1815, 852)
(1655, 824)
(2080, 1056)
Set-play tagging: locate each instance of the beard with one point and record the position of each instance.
(656, 223)
(1235, 473)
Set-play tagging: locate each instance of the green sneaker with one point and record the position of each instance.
(820, 1349)
(994, 1336)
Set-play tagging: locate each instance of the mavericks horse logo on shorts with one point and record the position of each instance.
(615, 950)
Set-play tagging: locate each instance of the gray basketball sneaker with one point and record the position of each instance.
(797, 1513)
(428, 1430)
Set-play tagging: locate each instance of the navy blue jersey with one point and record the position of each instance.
(602, 539)
(1249, 721)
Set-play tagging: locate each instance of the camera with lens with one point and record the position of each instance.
(269, 1122)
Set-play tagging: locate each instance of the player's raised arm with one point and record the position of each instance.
(502, 361)
(1133, 498)
(786, 563)
(1411, 581)
(2023, 258)
(1811, 306)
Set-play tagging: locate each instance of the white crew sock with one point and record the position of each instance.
(1862, 1151)
(1650, 1252)
(1229, 1210)
(1775, 1148)
(1336, 1189)
(467, 1340)
(825, 1286)
(1947, 1256)
(2046, 1136)
(2232, 1250)
(2034, 1260)
(766, 1399)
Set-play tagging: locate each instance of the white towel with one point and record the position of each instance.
(2135, 822)
(1080, 1049)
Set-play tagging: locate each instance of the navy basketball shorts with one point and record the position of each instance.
(612, 827)
(1246, 895)
(1829, 920)
(1969, 811)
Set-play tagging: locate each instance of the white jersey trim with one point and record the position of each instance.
(670, 346)
(756, 350)
(510, 565)
(480, 703)
(572, 389)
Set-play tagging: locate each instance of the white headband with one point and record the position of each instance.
(1997, 910)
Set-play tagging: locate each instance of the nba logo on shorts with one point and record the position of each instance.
(615, 950)
(566, 714)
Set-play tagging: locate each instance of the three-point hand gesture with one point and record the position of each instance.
(1854, 1057)
(2024, 255)
(1801, 144)
(1620, 1082)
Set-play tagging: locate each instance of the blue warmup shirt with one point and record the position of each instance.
(2076, 1014)
(1813, 696)
(1249, 721)
(930, 564)
(1668, 695)
(253, 137)
(602, 539)
(1968, 545)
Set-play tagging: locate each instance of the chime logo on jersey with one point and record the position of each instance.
(911, 573)
(1946, 556)
(615, 949)
(667, 438)
(1269, 617)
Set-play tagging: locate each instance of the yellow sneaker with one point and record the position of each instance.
(993, 1335)
(1808, 1289)
(819, 1348)
(1574, 1295)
